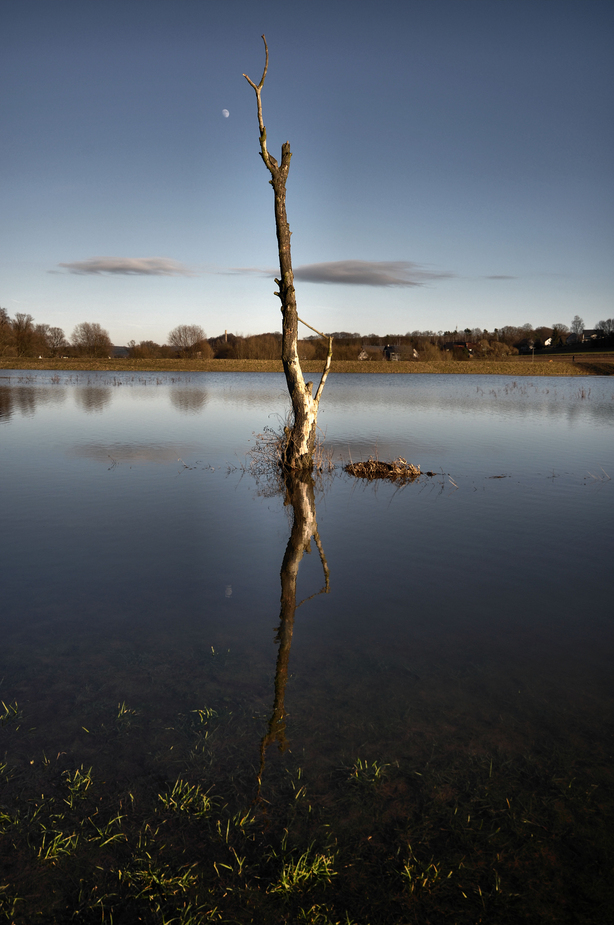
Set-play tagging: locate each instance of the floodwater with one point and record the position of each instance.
(131, 534)
(141, 560)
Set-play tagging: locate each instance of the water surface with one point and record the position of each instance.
(469, 611)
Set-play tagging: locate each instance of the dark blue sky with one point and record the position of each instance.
(452, 163)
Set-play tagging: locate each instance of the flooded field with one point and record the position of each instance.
(201, 721)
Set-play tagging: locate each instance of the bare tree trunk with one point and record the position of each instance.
(300, 438)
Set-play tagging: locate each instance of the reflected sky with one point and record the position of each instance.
(127, 517)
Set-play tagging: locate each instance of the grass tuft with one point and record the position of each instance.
(10, 713)
(310, 869)
(186, 798)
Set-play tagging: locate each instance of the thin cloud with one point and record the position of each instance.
(248, 271)
(128, 266)
(370, 273)
(356, 273)
(501, 277)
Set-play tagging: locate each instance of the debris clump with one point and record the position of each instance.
(399, 470)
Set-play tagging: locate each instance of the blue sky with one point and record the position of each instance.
(452, 163)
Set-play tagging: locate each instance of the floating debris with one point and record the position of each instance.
(399, 470)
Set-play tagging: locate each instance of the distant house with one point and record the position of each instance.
(460, 345)
(119, 352)
(583, 337)
(370, 352)
(391, 352)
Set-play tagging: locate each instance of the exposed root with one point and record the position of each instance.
(399, 470)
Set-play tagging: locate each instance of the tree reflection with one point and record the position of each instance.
(6, 403)
(188, 400)
(25, 399)
(93, 399)
(300, 496)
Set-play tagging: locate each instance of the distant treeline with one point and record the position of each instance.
(21, 337)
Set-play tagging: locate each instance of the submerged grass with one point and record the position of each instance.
(454, 837)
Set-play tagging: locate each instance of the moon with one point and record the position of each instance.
(225, 113)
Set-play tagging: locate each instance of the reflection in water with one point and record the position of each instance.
(25, 399)
(300, 495)
(131, 453)
(93, 399)
(6, 402)
(452, 721)
(188, 401)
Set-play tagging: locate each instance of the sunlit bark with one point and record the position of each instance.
(300, 438)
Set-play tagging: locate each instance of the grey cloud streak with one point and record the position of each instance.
(128, 266)
(357, 273)
(370, 273)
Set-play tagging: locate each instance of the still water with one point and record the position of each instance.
(470, 610)
(134, 545)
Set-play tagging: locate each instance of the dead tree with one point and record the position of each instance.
(300, 438)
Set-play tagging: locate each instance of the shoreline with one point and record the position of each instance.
(561, 365)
